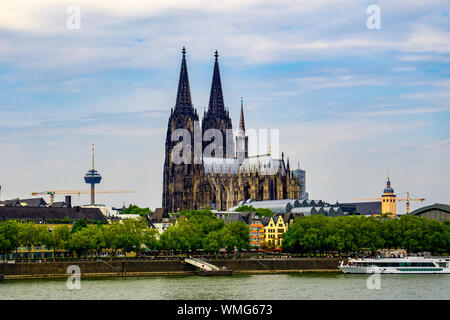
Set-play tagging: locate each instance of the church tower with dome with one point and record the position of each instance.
(389, 200)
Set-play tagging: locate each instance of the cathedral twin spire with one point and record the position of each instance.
(217, 116)
(184, 92)
(216, 104)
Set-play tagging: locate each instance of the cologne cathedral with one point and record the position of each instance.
(222, 179)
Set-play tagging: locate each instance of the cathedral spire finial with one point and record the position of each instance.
(216, 104)
(184, 91)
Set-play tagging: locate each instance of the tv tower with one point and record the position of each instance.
(92, 177)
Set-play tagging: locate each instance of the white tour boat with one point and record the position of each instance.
(396, 265)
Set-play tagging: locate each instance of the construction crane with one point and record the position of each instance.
(408, 200)
(52, 193)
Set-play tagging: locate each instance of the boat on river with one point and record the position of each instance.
(403, 265)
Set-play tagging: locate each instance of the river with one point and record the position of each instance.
(248, 287)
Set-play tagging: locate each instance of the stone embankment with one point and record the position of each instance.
(163, 267)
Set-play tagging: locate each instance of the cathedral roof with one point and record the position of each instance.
(263, 164)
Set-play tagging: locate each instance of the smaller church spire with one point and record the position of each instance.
(241, 120)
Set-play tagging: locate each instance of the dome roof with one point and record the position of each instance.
(388, 188)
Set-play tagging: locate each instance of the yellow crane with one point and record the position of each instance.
(408, 200)
(52, 193)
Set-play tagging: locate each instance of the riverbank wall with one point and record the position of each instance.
(162, 267)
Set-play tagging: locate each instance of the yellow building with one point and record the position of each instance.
(389, 200)
(274, 227)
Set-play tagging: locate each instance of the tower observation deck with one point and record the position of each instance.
(92, 177)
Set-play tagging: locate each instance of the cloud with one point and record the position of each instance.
(400, 69)
(389, 112)
(349, 101)
(322, 82)
(255, 32)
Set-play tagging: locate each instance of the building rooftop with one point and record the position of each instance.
(436, 206)
(50, 213)
(362, 208)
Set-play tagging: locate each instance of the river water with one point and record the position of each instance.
(246, 287)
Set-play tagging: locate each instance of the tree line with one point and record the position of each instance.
(201, 229)
(262, 212)
(83, 239)
(313, 234)
(193, 230)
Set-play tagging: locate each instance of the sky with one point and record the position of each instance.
(352, 104)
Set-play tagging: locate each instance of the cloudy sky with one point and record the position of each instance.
(351, 103)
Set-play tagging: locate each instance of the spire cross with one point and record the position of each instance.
(184, 52)
(216, 54)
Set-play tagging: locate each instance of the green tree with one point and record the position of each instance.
(9, 237)
(133, 209)
(31, 235)
(262, 212)
(235, 235)
(150, 238)
(201, 229)
(79, 225)
(129, 235)
(111, 237)
(349, 234)
(58, 239)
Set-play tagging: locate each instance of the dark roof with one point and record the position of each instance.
(34, 202)
(288, 216)
(61, 204)
(48, 213)
(364, 208)
(388, 190)
(10, 203)
(158, 215)
(245, 217)
(436, 206)
(265, 220)
(149, 223)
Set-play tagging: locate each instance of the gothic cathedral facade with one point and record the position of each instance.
(227, 176)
